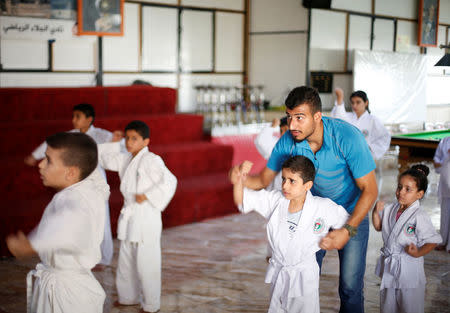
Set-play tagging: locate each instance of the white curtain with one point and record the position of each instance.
(395, 84)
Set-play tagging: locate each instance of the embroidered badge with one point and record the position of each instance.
(318, 226)
(410, 230)
(365, 133)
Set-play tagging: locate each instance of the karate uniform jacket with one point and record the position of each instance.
(442, 156)
(146, 174)
(395, 266)
(98, 134)
(377, 136)
(293, 269)
(68, 240)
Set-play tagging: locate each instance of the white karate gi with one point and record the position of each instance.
(377, 136)
(139, 227)
(100, 136)
(402, 276)
(265, 141)
(67, 240)
(293, 270)
(442, 157)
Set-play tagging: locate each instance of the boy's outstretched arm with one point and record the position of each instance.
(238, 182)
(255, 182)
(19, 245)
(376, 219)
(30, 160)
(117, 136)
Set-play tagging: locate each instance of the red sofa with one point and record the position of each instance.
(29, 115)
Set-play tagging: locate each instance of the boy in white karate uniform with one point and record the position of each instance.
(442, 164)
(69, 234)
(82, 119)
(297, 221)
(147, 187)
(408, 235)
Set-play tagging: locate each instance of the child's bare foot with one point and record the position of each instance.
(98, 268)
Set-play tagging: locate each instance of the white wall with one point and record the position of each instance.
(328, 42)
(277, 46)
(124, 58)
(277, 58)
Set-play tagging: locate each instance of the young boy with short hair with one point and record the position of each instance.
(147, 187)
(70, 232)
(83, 117)
(296, 223)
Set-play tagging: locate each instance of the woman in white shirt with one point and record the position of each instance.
(377, 136)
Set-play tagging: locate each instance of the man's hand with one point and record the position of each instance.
(30, 160)
(335, 239)
(140, 198)
(117, 136)
(19, 245)
(339, 95)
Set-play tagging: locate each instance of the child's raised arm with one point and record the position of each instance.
(238, 187)
(376, 219)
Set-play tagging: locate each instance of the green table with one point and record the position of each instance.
(417, 147)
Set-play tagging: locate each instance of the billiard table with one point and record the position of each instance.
(417, 147)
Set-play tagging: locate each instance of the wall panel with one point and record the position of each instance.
(196, 40)
(327, 41)
(122, 53)
(159, 44)
(229, 42)
(24, 54)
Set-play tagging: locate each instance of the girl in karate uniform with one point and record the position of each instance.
(296, 222)
(377, 136)
(442, 164)
(408, 235)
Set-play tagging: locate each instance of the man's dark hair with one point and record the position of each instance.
(304, 94)
(301, 165)
(86, 108)
(140, 127)
(78, 150)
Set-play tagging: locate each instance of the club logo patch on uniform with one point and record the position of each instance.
(410, 230)
(319, 226)
(365, 133)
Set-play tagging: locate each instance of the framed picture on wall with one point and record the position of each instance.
(100, 17)
(428, 23)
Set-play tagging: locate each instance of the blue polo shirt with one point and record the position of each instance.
(344, 156)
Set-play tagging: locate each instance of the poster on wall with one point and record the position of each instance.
(100, 17)
(428, 23)
(31, 8)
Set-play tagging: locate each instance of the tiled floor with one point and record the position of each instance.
(219, 266)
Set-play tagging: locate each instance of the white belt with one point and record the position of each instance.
(391, 262)
(281, 277)
(47, 275)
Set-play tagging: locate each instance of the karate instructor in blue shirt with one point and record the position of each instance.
(344, 173)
